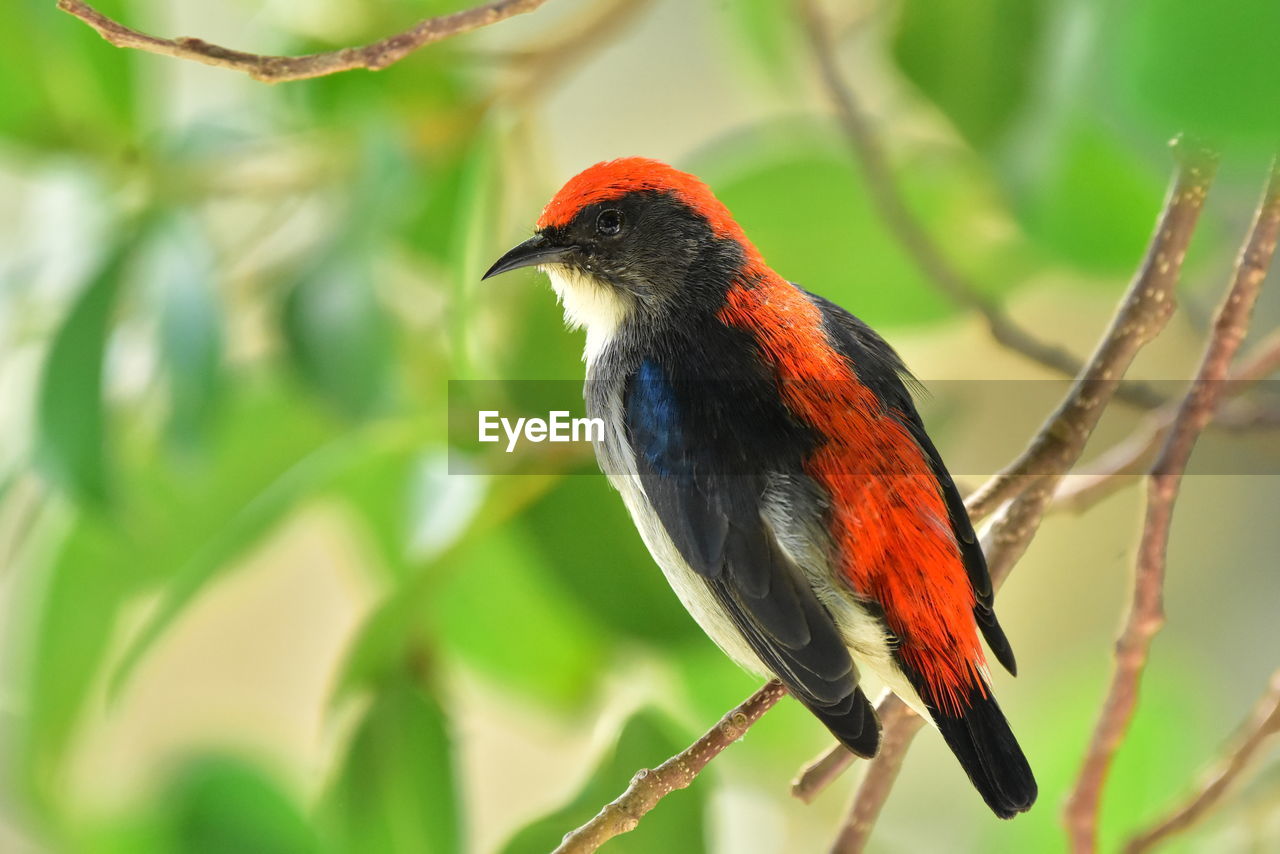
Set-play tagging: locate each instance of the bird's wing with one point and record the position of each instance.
(708, 494)
(879, 367)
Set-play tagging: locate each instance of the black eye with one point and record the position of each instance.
(609, 223)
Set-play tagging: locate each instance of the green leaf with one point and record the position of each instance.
(207, 558)
(583, 541)
(90, 575)
(766, 28)
(839, 246)
(339, 334)
(396, 791)
(499, 610)
(678, 823)
(227, 806)
(70, 412)
(181, 265)
(472, 249)
(1088, 198)
(60, 79)
(973, 58)
(1205, 68)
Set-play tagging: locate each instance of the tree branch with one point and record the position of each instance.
(900, 726)
(649, 787)
(912, 235)
(275, 69)
(1146, 614)
(545, 65)
(1132, 455)
(1141, 315)
(1144, 312)
(1262, 725)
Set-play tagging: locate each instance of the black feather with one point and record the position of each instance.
(705, 449)
(980, 737)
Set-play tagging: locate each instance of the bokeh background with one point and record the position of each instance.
(246, 603)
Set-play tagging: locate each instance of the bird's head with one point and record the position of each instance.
(634, 236)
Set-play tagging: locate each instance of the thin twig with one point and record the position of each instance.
(1133, 454)
(822, 771)
(275, 69)
(1140, 316)
(900, 726)
(1146, 614)
(649, 787)
(545, 66)
(915, 239)
(1263, 724)
(1146, 309)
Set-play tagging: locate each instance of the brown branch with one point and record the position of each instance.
(912, 235)
(1133, 454)
(274, 69)
(1146, 614)
(1143, 314)
(822, 771)
(900, 726)
(1263, 724)
(649, 787)
(544, 66)
(1140, 316)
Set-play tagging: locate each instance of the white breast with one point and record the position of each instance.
(589, 303)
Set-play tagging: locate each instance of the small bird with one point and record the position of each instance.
(768, 449)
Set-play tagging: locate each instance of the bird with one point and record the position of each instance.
(767, 446)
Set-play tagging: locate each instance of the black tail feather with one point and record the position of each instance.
(853, 722)
(981, 739)
(995, 637)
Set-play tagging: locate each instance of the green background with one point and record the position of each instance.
(249, 601)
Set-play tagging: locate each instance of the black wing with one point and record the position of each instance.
(880, 368)
(704, 452)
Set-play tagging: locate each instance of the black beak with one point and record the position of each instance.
(535, 250)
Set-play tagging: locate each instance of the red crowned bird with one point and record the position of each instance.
(767, 447)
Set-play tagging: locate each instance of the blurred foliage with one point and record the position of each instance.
(224, 307)
(645, 742)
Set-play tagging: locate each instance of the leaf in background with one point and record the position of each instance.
(396, 791)
(71, 418)
(498, 611)
(60, 79)
(442, 504)
(766, 28)
(377, 489)
(221, 805)
(678, 823)
(338, 332)
(207, 559)
(1089, 198)
(973, 58)
(181, 266)
(803, 203)
(473, 241)
(582, 540)
(1206, 68)
(90, 575)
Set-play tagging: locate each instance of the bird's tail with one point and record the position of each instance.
(852, 721)
(979, 735)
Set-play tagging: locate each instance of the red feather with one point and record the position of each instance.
(889, 520)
